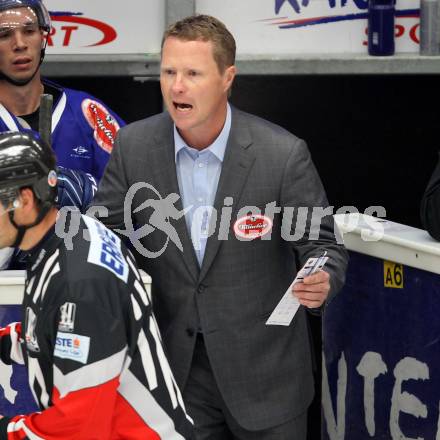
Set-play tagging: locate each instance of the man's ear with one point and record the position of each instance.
(229, 75)
(26, 201)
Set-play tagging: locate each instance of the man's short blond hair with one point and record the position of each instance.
(206, 28)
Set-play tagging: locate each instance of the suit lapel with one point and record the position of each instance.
(165, 180)
(237, 163)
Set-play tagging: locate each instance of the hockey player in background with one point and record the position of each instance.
(83, 128)
(88, 337)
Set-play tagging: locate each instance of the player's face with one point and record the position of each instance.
(21, 41)
(194, 90)
(7, 231)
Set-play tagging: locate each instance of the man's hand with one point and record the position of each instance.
(314, 289)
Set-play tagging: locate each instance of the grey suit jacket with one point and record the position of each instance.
(264, 372)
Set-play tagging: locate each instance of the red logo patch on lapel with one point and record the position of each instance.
(252, 226)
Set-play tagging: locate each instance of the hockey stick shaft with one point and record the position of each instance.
(45, 118)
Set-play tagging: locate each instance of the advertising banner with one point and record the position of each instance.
(15, 394)
(105, 27)
(308, 26)
(381, 363)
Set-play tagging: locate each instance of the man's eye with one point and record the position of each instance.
(192, 73)
(4, 34)
(30, 30)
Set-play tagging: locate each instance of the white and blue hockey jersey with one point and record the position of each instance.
(83, 130)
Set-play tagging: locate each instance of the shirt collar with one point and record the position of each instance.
(49, 241)
(218, 147)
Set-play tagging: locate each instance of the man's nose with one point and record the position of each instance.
(19, 40)
(178, 83)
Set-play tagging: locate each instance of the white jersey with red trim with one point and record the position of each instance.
(89, 339)
(83, 130)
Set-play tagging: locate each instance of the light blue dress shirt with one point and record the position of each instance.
(198, 173)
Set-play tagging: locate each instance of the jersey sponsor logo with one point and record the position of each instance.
(29, 336)
(71, 346)
(104, 125)
(105, 249)
(81, 152)
(67, 318)
(252, 226)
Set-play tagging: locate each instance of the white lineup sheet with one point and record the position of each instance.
(289, 304)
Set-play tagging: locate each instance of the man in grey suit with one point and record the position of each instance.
(223, 203)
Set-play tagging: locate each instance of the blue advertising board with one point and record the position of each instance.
(381, 363)
(15, 394)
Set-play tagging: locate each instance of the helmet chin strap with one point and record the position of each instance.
(21, 229)
(18, 83)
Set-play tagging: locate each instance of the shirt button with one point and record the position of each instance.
(201, 165)
(200, 199)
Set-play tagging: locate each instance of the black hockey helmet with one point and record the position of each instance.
(26, 161)
(36, 5)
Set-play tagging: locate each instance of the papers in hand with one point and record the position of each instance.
(289, 304)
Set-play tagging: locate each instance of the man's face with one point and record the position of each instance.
(194, 90)
(21, 41)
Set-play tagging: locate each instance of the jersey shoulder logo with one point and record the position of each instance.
(104, 125)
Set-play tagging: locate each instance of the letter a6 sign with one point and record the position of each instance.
(107, 27)
(392, 275)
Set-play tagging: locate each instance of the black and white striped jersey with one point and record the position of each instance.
(91, 345)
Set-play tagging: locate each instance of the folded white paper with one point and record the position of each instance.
(289, 304)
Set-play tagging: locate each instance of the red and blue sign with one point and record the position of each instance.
(289, 23)
(72, 21)
(103, 27)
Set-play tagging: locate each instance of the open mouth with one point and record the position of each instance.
(182, 106)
